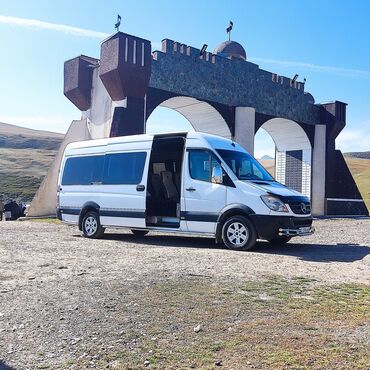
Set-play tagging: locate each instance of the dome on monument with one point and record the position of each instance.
(231, 49)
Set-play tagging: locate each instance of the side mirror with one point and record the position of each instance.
(217, 175)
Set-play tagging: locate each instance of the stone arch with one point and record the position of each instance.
(293, 153)
(201, 115)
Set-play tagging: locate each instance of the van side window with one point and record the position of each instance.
(124, 168)
(83, 170)
(200, 164)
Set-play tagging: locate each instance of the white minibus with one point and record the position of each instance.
(191, 182)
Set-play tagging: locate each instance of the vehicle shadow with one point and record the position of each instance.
(3, 366)
(340, 252)
(160, 240)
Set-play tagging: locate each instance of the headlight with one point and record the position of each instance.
(274, 203)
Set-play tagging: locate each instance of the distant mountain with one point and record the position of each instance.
(266, 157)
(16, 137)
(25, 156)
(269, 164)
(362, 155)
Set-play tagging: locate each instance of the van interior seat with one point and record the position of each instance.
(170, 190)
(178, 182)
(156, 183)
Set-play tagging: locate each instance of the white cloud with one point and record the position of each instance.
(40, 25)
(347, 72)
(354, 140)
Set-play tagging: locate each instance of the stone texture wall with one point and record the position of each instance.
(180, 69)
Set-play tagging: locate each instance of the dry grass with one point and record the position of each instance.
(21, 172)
(360, 169)
(270, 324)
(25, 162)
(49, 220)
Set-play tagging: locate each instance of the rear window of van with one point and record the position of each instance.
(83, 170)
(109, 169)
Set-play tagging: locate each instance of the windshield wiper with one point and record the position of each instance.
(272, 180)
(257, 180)
(250, 178)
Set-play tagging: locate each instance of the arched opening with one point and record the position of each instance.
(292, 154)
(192, 114)
(167, 120)
(264, 150)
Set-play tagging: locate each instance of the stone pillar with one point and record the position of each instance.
(129, 119)
(125, 69)
(318, 171)
(244, 127)
(78, 74)
(99, 116)
(45, 200)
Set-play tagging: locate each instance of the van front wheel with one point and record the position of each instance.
(91, 227)
(238, 233)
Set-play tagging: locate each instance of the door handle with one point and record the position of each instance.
(190, 189)
(140, 187)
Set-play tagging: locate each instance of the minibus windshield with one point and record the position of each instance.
(244, 165)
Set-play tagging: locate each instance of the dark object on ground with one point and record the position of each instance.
(139, 232)
(16, 210)
(1, 210)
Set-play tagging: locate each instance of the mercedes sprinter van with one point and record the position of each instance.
(182, 182)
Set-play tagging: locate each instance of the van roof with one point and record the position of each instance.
(213, 140)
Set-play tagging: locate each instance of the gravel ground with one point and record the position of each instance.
(58, 289)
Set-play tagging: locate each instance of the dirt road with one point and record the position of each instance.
(70, 302)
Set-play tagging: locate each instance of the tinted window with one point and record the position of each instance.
(83, 170)
(200, 164)
(124, 168)
(244, 165)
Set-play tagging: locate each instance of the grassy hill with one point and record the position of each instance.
(360, 169)
(21, 138)
(25, 156)
(359, 165)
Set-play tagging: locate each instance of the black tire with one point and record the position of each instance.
(280, 240)
(139, 232)
(91, 227)
(238, 233)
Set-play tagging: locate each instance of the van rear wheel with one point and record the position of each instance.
(139, 232)
(238, 233)
(91, 227)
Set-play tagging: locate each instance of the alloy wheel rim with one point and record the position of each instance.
(237, 234)
(91, 225)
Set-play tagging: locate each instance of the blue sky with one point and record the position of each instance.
(327, 42)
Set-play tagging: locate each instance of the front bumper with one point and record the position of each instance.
(59, 214)
(270, 227)
(302, 231)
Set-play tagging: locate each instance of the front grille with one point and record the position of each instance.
(298, 208)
